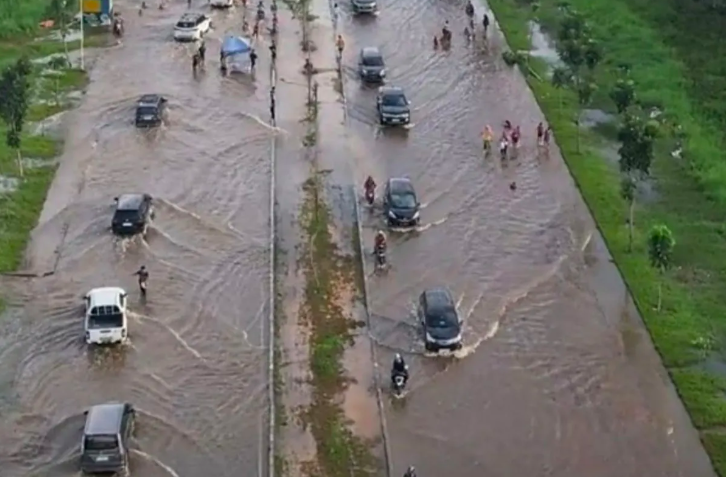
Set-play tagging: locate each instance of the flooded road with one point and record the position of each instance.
(557, 375)
(195, 367)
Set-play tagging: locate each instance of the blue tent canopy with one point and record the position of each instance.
(233, 45)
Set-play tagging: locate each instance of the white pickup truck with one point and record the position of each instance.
(105, 321)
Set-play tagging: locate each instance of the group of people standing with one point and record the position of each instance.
(511, 137)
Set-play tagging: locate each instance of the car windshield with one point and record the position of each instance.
(146, 111)
(100, 443)
(372, 61)
(442, 318)
(105, 317)
(394, 100)
(186, 24)
(403, 200)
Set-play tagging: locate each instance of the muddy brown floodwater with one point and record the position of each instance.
(196, 365)
(557, 376)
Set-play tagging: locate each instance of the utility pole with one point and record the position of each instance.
(80, 8)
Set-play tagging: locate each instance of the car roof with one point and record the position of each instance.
(149, 99)
(130, 202)
(105, 296)
(391, 90)
(437, 298)
(191, 16)
(400, 184)
(370, 52)
(104, 419)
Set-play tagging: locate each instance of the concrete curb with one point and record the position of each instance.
(366, 303)
(272, 410)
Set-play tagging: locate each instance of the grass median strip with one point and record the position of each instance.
(690, 193)
(330, 278)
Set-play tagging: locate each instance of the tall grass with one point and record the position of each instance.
(21, 17)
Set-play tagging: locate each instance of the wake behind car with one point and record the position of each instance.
(150, 110)
(132, 215)
(440, 320)
(105, 321)
(106, 436)
(364, 6)
(371, 66)
(393, 106)
(192, 27)
(400, 203)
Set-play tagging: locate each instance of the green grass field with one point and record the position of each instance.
(19, 209)
(678, 66)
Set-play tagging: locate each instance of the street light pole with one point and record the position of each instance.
(83, 62)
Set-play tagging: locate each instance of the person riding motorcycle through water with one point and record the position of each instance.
(399, 368)
(380, 242)
(411, 472)
(445, 32)
(369, 186)
(143, 275)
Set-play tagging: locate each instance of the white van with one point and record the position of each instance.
(106, 321)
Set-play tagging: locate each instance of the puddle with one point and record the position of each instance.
(51, 126)
(38, 163)
(647, 191)
(543, 46)
(591, 118)
(55, 35)
(8, 184)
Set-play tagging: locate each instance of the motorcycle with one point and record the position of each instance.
(398, 383)
(380, 257)
(370, 196)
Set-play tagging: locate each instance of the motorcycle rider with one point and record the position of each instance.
(445, 32)
(143, 275)
(411, 472)
(370, 187)
(399, 368)
(380, 242)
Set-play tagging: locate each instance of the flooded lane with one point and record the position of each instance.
(549, 381)
(195, 366)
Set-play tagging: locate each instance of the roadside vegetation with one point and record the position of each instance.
(657, 67)
(330, 284)
(30, 92)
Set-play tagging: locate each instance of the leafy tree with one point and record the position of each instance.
(623, 94)
(636, 145)
(14, 99)
(593, 54)
(628, 186)
(61, 12)
(561, 78)
(660, 250)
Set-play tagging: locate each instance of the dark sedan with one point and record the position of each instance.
(400, 203)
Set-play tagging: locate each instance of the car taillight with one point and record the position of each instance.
(123, 333)
(88, 336)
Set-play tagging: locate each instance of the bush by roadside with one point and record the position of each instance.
(690, 191)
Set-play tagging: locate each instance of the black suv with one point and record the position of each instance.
(132, 215)
(393, 106)
(371, 66)
(440, 320)
(150, 110)
(106, 437)
(400, 203)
